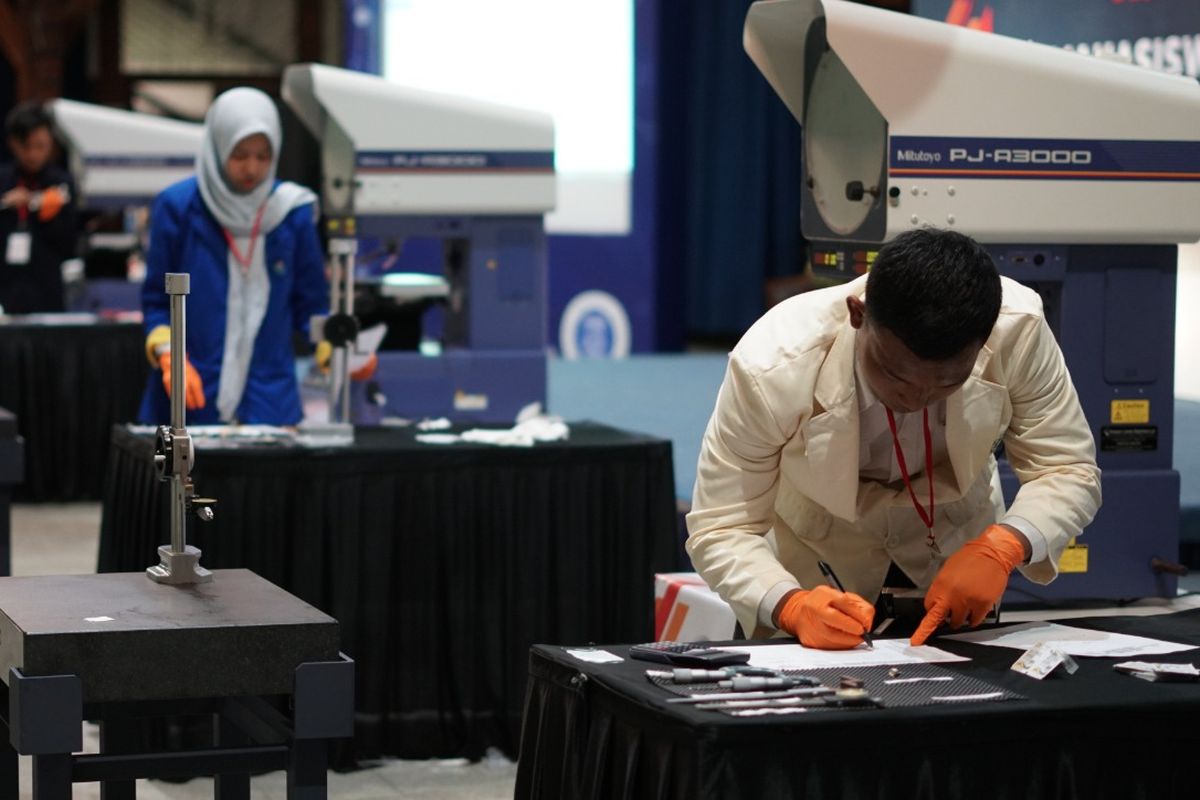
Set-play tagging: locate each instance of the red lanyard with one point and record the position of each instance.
(927, 518)
(23, 209)
(244, 263)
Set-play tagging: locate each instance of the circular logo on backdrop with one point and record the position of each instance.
(362, 17)
(594, 325)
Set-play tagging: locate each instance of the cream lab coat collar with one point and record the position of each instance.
(831, 435)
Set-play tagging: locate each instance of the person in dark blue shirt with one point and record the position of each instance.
(38, 219)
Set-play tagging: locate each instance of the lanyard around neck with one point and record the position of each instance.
(23, 209)
(927, 518)
(244, 263)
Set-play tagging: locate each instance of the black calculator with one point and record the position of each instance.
(687, 654)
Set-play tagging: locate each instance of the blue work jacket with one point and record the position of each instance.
(185, 237)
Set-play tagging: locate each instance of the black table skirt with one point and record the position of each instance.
(603, 731)
(443, 564)
(68, 385)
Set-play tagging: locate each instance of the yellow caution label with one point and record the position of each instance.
(1130, 412)
(1074, 558)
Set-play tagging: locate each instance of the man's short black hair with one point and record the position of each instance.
(937, 291)
(25, 119)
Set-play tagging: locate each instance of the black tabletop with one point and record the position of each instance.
(128, 638)
(605, 731)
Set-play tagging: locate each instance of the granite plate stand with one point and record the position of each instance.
(119, 648)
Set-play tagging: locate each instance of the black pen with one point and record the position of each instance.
(832, 577)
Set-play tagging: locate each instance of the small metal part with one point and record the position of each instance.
(851, 697)
(177, 568)
(178, 283)
(686, 675)
(840, 698)
(850, 682)
(203, 507)
(893, 672)
(963, 698)
(800, 691)
(760, 703)
(746, 683)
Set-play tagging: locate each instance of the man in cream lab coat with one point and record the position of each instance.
(857, 425)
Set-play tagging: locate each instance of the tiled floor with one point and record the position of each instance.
(62, 539)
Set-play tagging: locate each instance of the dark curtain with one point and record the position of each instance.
(67, 386)
(731, 169)
(595, 731)
(441, 564)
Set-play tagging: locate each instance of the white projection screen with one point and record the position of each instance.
(570, 58)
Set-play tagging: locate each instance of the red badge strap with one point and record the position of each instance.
(927, 518)
(244, 263)
(23, 209)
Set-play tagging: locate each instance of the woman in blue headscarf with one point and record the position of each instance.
(257, 273)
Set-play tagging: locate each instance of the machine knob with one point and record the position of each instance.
(855, 191)
(341, 329)
(1161, 565)
(164, 449)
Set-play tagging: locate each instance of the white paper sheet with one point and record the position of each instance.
(365, 345)
(1072, 641)
(886, 653)
(593, 656)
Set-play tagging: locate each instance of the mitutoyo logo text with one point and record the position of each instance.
(1019, 155)
(911, 156)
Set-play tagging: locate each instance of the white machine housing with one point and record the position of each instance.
(389, 149)
(124, 157)
(1003, 139)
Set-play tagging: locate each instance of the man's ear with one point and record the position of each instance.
(858, 311)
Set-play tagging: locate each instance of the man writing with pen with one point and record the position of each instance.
(857, 426)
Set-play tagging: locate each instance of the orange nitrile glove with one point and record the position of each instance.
(193, 387)
(971, 581)
(53, 199)
(827, 619)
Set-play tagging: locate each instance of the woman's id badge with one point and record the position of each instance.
(20, 243)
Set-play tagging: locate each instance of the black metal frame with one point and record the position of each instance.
(43, 717)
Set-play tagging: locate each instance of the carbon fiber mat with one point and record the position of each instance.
(912, 685)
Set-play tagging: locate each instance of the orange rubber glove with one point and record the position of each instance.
(52, 201)
(193, 387)
(827, 619)
(971, 581)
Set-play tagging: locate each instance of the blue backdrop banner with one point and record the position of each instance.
(1162, 35)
